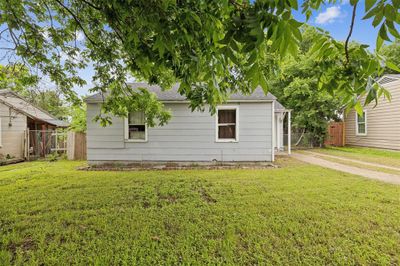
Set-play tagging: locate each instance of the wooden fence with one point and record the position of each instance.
(336, 136)
(76, 146)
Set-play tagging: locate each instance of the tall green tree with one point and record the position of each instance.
(296, 84)
(213, 48)
(78, 119)
(391, 52)
(19, 79)
(16, 77)
(50, 101)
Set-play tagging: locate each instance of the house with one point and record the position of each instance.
(17, 118)
(379, 126)
(243, 129)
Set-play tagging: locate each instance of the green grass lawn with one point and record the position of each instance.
(51, 213)
(386, 157)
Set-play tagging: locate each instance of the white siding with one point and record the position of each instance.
(187, 137)
(383, 122)
(12, 135)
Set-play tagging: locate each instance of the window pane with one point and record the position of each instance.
(227, 132)
(226, 116)
(361, 119)
(361, 128)
(136, 118)
(137, 132)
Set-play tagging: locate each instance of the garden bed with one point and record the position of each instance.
(139, 166)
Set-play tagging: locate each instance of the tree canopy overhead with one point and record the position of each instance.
(212, 48)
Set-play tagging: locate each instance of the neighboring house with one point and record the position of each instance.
(243, 129)
(379, 126)
(17, 115)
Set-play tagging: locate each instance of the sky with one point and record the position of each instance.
(336, 19)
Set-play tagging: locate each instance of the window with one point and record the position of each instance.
(361, 122)
(135, 127)
(227, 124)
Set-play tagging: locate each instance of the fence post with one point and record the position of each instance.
(289, 132)
(70, 145)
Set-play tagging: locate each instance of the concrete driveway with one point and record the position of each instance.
(385, 177)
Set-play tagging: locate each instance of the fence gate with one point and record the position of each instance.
(45, 142)
(336, 135)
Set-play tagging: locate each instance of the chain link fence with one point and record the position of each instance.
(45, 142)
(300, 140)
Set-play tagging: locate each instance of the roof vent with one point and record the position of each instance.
(386, 79)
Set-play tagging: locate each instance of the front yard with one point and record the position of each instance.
(51, 213)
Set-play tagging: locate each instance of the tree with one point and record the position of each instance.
(50, 101)
(295, 83)
(392, 53)
(213, 48)
(16, 78)
(78, 119)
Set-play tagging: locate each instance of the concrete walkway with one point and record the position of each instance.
(385, 177)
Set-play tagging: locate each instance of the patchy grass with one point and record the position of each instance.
(51, 213)
(385, 157)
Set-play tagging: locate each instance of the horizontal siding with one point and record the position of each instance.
(187, 137)
(383, 122)
(12, 132)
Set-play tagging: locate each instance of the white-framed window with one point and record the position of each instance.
(361, 123)
(227, 124)
(135, 127)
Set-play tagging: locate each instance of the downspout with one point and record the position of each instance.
(273, 131)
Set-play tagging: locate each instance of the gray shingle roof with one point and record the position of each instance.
(18, 103)
(173, 95)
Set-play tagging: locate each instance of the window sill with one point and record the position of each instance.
(361, 135)
(227, 140)
(136, 140)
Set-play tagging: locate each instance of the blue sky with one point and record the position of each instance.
(336, 19)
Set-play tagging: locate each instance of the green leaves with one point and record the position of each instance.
(392, 66)
(369, 4)
(383, 33)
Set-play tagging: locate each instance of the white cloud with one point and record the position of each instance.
(329, 15)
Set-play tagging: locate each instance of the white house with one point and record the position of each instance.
(246, 128)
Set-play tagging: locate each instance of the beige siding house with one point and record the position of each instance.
(17, 115)
(380, 125)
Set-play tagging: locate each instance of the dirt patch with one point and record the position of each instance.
(25, 245)
(206, 196)
(177, 166)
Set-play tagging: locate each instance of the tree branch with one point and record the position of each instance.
(77, 21)
(92, 5)
(346, 44)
